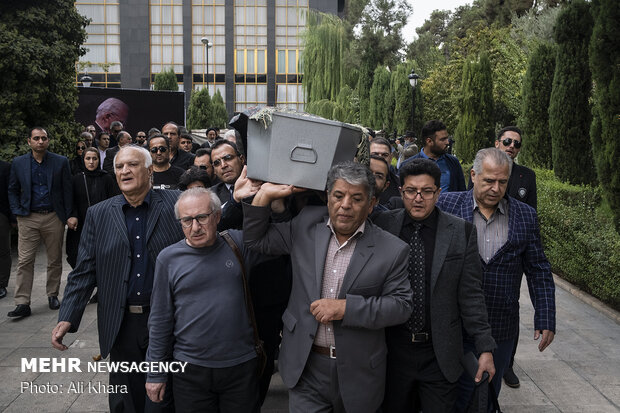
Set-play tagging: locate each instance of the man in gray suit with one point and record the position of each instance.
(425, 354)
(121, 239)
(349, 283)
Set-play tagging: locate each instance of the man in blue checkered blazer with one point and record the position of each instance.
(509, 245)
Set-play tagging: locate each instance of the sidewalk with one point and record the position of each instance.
(580, 372)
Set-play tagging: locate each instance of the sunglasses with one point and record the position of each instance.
(141, 136)
(80, 148)
(161, 149)
(508, 141)
(226, 158)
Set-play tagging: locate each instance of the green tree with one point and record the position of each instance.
(166, 80)
(403, 99)
(39, 45)
(199, 110)
(475, 128)
(534, 120)
(381, 83)
(219, 115)
(605, 129)
(345, 101)
(364, 84)
(445, 84)
(324, 44)
(569, 111)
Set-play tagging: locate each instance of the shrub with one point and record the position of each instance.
(579, 236)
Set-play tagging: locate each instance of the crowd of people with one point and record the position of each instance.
(369, 294)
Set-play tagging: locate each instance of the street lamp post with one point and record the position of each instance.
(205, 41)
(413, 81)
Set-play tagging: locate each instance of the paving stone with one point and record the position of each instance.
(572, 395)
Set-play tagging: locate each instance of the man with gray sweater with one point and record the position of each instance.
(199, 316)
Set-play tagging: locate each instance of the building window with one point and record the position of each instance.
(208, 20)
(290, 22)
(250, 38)
(166, 21)
(102, 59)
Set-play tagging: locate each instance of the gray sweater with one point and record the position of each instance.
(198, 311)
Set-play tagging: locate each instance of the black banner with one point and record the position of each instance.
(139, 110)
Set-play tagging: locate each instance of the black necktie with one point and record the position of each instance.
(417, 279)
(231, 189)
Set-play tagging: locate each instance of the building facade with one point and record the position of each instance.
(253, 56)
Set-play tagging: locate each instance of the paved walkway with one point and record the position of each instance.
(580, 372)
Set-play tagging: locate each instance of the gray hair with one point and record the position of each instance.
(354, 174)
(148, 160)
(216, 204)
(496, 156)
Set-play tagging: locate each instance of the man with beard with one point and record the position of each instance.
(436, 141)
(165, 176)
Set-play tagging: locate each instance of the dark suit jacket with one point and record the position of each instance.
(522, 253)
(521, 185)
(221, 191)
(104, 260)
(457, 300)
(58, 184)
(5, 173)
(375, 286)
(108, 162)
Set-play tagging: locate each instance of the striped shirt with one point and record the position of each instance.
(336, 264)
(492, 232)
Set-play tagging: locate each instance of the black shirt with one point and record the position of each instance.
(428, 233)
(168, 179)
(141, 274)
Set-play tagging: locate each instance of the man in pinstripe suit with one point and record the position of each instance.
(509, 245)
(121, 239)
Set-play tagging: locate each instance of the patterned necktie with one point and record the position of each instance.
(417, 279)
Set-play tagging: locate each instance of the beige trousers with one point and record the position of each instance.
(31, 230)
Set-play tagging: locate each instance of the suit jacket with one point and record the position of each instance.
(457, 300)
(58, 184)
(104, 260)
(521, 185)
(222, 192)
(376, 288)
(522, 253)
(108, 162)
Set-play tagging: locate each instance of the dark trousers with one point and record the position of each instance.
(219, 390)
(414, 380)
(5, 250)
(501, 358)
(130, 345)
(318, 390)
(269, 322)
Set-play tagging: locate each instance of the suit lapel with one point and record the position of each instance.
(153, 214)
(118, 220)
(361, 255)
(50, 174)
(321, 240)
(443, 240)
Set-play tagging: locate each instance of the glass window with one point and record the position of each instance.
(281, 61)
(260, 61)
(250, 59)
(292, 61)
(240, 62)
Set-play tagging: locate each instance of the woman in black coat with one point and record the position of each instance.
(89, 187)
(77, 163)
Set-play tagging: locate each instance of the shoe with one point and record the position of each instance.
(511, 379)
(2, 292)
(22, 310)
(53, 302)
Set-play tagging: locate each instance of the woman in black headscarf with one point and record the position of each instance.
(89, 187)
(77, 163)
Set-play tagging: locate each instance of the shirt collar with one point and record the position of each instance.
(44, 157)
(430, 221)
(146, 202)
(359, 230)
(422, 154)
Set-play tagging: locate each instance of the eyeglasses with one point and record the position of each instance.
(161, 149)
(141, 136)
(80, 148)
(39, 138)
(226, 158)
(202, 219)
(425, 194)
(508, 141)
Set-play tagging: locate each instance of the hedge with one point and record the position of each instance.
(579, 236)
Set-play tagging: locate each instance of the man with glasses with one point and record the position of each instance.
(121, 239)
(41, 197)
(140, 138)
(509, 246)
(165, 176)
(436, 142)
(227, 163)
(203, 161)
(425, 353)
(178, 157)
(199, 314)
(381, 147)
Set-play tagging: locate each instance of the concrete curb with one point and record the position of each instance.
(587, 298)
